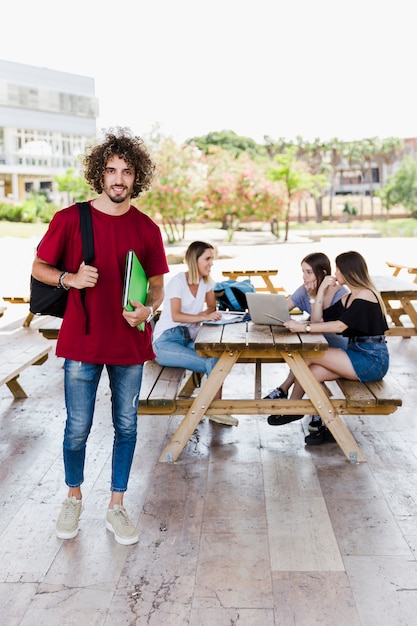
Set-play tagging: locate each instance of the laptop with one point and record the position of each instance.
(268, 308)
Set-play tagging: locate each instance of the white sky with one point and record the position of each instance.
(315, 68)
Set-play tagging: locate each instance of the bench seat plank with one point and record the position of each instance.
(168, 390)
(381, 393)
(165, 390)
(14, 361)
(161, 387)
(356, 393)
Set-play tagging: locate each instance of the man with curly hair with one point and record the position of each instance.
(98, 332)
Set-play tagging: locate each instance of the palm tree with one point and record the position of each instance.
(387, 152)
(353, 154)
(369, 149)
(314, 155)
(335, 149)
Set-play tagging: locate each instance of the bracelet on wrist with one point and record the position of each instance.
(61, 281)
(150, 316)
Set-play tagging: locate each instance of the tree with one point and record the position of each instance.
(230, 141)
(238, 188)
(368, 149)
(353, 155)
(335, 154)
(274, 147)
(314, 155)
(175, 196)
(295, 179)
(387, 152)
(74, 185)
(402, 187)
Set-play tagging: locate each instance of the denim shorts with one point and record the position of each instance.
(370, 360)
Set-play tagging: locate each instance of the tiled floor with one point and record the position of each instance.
(249, 527)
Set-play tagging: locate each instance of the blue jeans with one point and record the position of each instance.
(81, 382)
(175, 348)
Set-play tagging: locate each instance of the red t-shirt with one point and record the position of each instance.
(100, 334)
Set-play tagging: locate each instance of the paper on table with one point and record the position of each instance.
(230, 318)
(135, 284)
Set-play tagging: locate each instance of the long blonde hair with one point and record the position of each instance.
(355, 271)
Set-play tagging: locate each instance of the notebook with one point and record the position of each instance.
(230, 318)
(268, 308)
(135, 285)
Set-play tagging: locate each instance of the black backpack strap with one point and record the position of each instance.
(88, 243)
(86, 231)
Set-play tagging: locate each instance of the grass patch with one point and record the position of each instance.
(24, 230)
(394, 227)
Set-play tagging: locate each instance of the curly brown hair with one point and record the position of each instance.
(122, 143)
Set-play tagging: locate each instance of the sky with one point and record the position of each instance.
(277, 68)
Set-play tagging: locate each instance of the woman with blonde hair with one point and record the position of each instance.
(359, 316)
(189, 301)
(315, 267)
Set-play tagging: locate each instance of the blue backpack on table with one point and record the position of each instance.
(231, 294)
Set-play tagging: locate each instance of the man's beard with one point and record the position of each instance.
(118, 199)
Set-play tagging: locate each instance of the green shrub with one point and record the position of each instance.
(47, 213)
(10, 212)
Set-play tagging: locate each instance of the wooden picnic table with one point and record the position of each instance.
(398, 267)
(264, 274)
(249, 342)
(398, 296)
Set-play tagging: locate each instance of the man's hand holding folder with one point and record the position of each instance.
(135, 288)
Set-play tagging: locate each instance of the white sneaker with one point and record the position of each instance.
(227, 420)
(67, 522)
(118, 522)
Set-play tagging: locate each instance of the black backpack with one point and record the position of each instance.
(49, 299)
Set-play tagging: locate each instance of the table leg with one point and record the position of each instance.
(324, 408)
(28, 320)
(199, 407)
(409, 310)
(268, 283)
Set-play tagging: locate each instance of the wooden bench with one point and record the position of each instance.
(50, 327)
(351, 397)
(20, 300)
(162, 386)
(168, 390)
(346, 396)
(397, 269)
(16, 359)
(264, 274)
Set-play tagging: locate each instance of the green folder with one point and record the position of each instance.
(135, 285)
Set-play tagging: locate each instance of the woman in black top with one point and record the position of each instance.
(360, 316)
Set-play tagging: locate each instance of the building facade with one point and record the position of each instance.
(46, 119)
(360, 180)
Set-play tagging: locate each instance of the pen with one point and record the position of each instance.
(275, 318)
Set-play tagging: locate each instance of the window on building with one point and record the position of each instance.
(349, 177)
